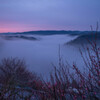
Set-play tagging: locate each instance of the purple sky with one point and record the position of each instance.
(28, 15)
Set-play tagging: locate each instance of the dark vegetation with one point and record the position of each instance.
(15, 79)
(82, 39)
(50, 33)
(11, 37)
(17, 83)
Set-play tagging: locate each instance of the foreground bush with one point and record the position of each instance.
(15, 80)
(77, 85)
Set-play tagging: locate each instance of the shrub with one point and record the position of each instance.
(15, 79)
(78, 85)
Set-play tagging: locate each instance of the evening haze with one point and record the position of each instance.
(30, 15)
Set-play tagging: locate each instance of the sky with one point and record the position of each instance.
(32, 15)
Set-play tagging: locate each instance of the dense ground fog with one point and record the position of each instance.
(41, 52)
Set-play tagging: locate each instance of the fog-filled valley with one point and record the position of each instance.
(57, 64)
(41, 51)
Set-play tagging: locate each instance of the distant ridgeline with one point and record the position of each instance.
(85, 38)
(82, 38)
(53, 32)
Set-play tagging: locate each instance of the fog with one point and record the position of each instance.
(40, 55)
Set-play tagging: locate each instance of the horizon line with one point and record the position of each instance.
(49, 30)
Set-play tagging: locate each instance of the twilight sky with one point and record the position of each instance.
(29, 15)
